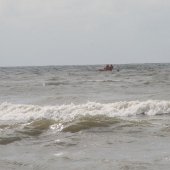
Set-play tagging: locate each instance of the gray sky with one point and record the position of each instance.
(57, 32)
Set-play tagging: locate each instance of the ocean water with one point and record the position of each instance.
(79, 118)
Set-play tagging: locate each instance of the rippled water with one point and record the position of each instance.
(76, 117)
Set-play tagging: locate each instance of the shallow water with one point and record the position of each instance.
(75, 117)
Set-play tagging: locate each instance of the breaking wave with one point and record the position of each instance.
(19, 121)
(67, 113)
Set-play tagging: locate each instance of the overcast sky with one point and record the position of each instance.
(62, 32)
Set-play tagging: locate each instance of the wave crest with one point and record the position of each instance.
(67, 113)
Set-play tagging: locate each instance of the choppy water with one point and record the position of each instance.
(75, 117)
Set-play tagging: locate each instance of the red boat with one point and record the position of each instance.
(107, 68)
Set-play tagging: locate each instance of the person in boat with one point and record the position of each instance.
(111, 67)
(107, 68)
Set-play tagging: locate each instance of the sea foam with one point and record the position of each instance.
(67, 113)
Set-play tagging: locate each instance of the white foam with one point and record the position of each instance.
(59, 154)
(65, 113)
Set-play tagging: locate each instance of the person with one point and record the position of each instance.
(111, 67)
(107, 68)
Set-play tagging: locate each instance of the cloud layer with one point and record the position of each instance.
(42, 32)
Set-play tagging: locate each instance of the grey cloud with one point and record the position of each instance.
(40, 32)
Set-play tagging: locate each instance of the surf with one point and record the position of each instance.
(65, 113)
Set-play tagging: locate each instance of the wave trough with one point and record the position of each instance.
(19, 121)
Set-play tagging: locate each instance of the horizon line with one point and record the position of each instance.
(50, 65)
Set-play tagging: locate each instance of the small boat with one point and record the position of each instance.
(107, 68)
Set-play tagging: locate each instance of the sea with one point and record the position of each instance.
(79, 118)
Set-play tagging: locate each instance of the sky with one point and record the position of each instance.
(80, 32)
